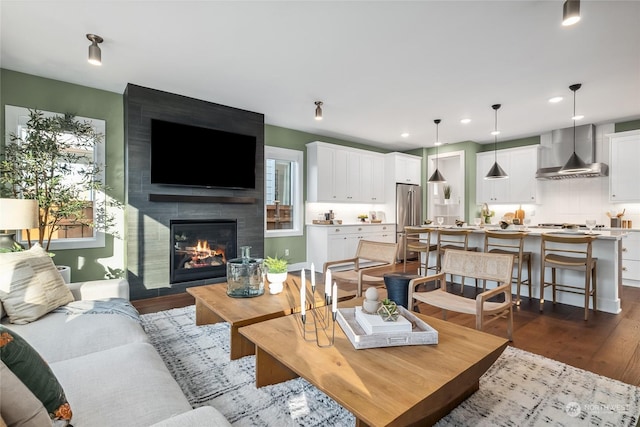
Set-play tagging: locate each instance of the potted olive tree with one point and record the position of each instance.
(52, 162)
(276, 273)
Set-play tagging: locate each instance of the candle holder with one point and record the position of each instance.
(323, 328)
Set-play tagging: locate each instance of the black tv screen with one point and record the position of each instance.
(195, 156)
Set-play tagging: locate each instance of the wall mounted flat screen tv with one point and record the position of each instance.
(195, 156)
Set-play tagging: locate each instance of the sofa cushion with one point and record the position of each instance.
(19, 407)
(33, 372)
(122, 386)
(87, 333)
(30, 285)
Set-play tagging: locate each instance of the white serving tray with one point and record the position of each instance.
(421, 334)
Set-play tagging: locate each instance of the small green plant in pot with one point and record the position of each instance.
(447, 192)
(276, 273)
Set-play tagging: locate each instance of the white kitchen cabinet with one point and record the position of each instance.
(491, 190)
(333, 242)
(631, 260)
(624, 173)
(342, 174)
(372, 178)
(520, 164)
(404, 168)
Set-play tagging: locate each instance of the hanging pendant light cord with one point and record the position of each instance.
(495, 137)
(574, 120)
(437, 142)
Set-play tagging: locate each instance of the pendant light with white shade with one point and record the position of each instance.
(496, 172)
(437, 177)
(575, 164)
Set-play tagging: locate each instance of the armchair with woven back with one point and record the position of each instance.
(367, 266)
(487, 306)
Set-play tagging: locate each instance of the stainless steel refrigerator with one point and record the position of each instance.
(408, 212)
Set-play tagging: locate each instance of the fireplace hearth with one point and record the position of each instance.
(200, 248)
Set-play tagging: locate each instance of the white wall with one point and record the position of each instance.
(575, 200)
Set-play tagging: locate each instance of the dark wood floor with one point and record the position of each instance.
(607, 344)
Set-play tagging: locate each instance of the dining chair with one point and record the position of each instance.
(511, 242)
(570, 252)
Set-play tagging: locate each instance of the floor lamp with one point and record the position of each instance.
(16, 214)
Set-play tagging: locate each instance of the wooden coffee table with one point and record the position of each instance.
(390, 386)
(213, 305)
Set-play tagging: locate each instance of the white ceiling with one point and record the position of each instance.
(380, 67)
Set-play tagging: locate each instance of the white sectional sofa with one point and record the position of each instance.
(110, 373)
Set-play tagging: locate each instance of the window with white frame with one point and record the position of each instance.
(283, 192)
(72, 233)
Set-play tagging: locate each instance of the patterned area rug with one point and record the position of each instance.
(520, 389)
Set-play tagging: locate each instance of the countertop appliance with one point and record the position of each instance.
(408, 212)
(552, 157)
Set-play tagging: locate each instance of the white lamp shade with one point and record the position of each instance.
(18, 214)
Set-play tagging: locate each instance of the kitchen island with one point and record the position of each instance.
(607, 247)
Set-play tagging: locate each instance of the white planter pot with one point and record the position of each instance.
(65, 271)
(276, 282)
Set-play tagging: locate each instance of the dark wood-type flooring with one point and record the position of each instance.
(607, 344)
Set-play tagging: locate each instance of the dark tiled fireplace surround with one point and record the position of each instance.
(151, 207)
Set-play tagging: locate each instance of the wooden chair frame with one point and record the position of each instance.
(571, 253)
(511, 242)
(383, 254)
(416, 243)
(481, 265)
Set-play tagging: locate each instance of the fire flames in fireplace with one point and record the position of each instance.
(199, 248)
(202, 255)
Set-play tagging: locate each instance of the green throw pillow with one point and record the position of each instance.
(27, 364)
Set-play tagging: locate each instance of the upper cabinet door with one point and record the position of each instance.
(492, 190)
(408, 169)
(522, 174)
(520, 164)
(624, 173)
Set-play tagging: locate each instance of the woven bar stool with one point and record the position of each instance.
(571, 253)
(510, 242)
(453, 238)
(418, 239)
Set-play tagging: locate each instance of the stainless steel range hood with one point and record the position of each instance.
(553, 156)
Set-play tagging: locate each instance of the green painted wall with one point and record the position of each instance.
(34, 92)
(625, 126)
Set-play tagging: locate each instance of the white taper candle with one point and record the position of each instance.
(334, 304)
(313, 276)
(303, 293)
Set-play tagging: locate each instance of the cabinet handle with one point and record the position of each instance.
(624, 249)
(624, 268)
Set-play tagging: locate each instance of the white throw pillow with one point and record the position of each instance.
(30, 285)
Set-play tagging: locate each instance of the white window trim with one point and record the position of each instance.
(18, 116)
(297, 158)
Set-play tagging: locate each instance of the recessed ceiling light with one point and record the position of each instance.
(555, 99)
(577, 117)
(404, 134)
(465, 121)
(495, 132)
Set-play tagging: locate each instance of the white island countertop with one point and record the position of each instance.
(607, 247)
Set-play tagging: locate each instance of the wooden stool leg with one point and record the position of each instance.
(542, 285)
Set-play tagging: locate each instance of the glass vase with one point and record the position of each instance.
(245, 276)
